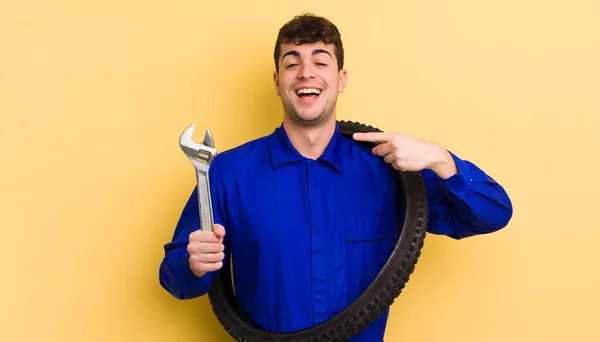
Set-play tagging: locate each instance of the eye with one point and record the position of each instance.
(289, 66)
(321, 64)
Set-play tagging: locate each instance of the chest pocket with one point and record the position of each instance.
(370, 239)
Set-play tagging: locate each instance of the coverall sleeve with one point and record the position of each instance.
(466, 204)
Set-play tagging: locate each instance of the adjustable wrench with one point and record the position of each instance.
(201, 155)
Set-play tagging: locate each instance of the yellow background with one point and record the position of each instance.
(94, 96)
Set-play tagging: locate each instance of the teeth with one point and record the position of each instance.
(308, 91)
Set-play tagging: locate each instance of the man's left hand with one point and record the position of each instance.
(406, 153)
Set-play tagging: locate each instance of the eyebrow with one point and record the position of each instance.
(297, 54)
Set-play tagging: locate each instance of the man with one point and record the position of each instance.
(310, 216)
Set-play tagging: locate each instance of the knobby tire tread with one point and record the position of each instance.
(370, 305)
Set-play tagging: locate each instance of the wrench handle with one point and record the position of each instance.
(204, 202)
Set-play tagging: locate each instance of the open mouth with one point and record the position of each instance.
(308, 94)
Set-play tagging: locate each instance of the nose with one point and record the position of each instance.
(305, 71)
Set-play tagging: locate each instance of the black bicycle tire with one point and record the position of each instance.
(370, 305)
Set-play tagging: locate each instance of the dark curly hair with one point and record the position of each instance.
(307, 28)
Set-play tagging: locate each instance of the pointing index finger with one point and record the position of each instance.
(377, 137)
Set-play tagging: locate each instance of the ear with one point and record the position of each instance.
(342, 78)
(276, 82)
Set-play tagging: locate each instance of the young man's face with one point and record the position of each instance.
(308, 82)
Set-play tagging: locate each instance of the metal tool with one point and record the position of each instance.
(201, 155)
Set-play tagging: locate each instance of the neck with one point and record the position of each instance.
(310, 142)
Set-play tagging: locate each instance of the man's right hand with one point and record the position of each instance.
(206, 250)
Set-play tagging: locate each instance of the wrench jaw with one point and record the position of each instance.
(208, 139)
(201, 155)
